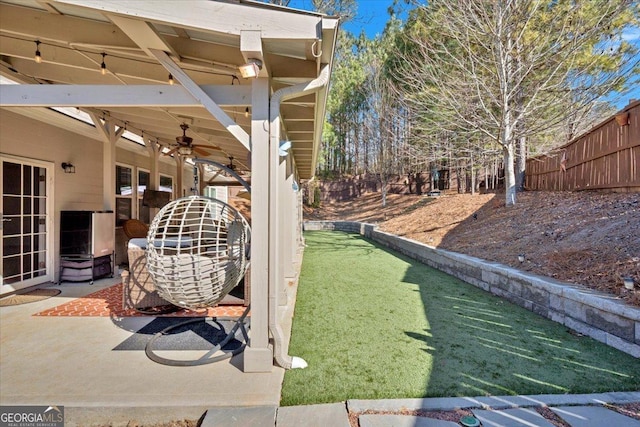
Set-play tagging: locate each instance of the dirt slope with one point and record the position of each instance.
(587, 238)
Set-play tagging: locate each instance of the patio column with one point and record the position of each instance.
(299, 217)
(202, 182)
(283, 244)
(289, 224)
(154, 159)
(154, 171)
(110, 135)
(179, 176)
(258, 356)
(109, 175)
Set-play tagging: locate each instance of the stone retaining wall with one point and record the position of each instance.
(600, 316)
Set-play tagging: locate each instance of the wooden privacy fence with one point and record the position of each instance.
(607, 157)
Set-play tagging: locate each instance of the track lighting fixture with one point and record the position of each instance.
(171, 82)
(103, 66)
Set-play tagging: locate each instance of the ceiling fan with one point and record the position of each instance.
(186, 147)
(231, 165)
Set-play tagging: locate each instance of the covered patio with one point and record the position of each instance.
(79, 363)
(133, 73)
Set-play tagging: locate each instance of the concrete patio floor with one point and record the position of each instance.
(71, 361)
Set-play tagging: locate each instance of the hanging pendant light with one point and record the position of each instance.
(38, 56)
(103, 66)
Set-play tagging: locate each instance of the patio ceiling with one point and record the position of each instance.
(201, 43)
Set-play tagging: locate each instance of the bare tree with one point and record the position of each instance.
(505, 70)
(381, 119)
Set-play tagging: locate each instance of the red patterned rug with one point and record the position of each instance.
(108, 302)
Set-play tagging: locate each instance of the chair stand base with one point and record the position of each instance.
(210, 357)
(158, 310)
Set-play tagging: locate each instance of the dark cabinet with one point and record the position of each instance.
(87, 242)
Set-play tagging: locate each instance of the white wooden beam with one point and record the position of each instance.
(121, 96)
(143, 34)
(216, 16)
(202, 97)
(49, 8)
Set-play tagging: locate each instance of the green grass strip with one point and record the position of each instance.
(373, 324)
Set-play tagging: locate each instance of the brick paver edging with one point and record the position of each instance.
(601, 316)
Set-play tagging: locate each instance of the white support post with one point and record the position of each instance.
(109, 175)
(282, 237)
(179, 189)
(201, 182)
(154, 155)
(154, 175)
(300, 219)
(258, 356)
(110, 134)
(289, 225)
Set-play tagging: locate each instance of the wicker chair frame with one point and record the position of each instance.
(135, 229)
(197, 251)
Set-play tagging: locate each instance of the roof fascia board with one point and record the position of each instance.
(104, 96)
(228, 18)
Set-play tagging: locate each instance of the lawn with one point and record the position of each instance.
(374, 324)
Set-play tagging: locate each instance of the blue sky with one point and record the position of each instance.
(372, 17)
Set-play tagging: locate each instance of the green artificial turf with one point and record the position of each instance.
(373, 324)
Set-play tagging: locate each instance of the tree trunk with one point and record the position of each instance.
(450, 165)
(521, 163)
(473, 178)
(509, 175)
(383, 191)
(486, 183)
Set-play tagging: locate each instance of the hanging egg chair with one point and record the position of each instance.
(197, 251)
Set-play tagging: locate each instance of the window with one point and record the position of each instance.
(216, 192)
(124, 194)
(143, 183)
(166, 184)
(129, 195)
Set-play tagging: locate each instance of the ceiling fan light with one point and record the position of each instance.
(185, 151)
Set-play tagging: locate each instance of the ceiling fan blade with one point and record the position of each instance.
(170, 152)
(200, 151)
(206, 147)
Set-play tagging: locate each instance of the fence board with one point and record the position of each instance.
(604, 158)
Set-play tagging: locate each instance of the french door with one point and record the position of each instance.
(27, 223)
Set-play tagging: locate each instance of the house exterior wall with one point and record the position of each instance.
(25, 137)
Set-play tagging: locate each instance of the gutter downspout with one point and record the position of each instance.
(280, 354)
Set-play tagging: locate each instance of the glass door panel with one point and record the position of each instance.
(25, 253)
